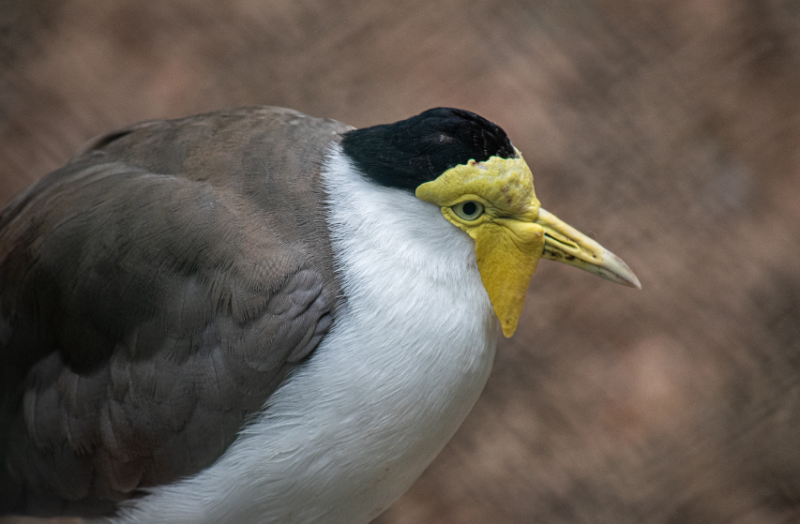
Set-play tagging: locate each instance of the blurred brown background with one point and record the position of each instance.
(668, 129)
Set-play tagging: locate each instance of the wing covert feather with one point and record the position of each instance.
(155, 292)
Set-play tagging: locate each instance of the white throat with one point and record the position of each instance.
(353, 428)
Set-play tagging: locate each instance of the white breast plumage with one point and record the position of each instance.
(353, 428)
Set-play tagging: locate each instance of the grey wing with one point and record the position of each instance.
(155, 292)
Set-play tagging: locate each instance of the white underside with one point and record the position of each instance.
(354, 427)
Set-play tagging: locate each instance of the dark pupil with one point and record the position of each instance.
(469, 208)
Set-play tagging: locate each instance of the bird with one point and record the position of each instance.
(258, 316)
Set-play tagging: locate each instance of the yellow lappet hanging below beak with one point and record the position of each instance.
(494, 202)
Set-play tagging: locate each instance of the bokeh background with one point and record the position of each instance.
(667, 129)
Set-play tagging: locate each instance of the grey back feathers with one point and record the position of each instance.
(155, 292)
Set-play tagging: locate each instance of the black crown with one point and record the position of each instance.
(417, 150)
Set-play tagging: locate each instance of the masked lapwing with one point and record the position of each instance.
(257, 316)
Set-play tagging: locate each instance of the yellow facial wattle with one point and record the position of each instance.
(512, 233)
(508, 242)
(504, 183)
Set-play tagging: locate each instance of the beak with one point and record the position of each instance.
(510, 240)
(566, 244)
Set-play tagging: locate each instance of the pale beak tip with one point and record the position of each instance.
(633, 282)
(621, 271)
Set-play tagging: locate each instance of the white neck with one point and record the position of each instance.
(354, 427)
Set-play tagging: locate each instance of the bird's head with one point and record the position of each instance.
(467, 166)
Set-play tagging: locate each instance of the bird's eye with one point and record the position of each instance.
(469, 210)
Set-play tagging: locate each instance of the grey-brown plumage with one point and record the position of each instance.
(155, 292)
